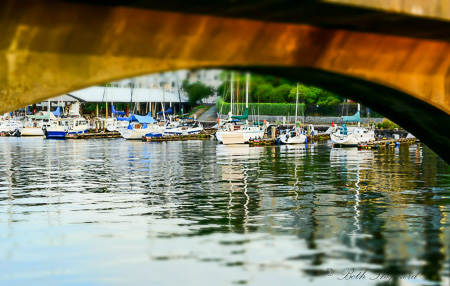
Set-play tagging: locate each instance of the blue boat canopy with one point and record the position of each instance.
(355, 117)
(138, 118)
(141, 119)
(57, 112)
(169, 111)
(121, 113)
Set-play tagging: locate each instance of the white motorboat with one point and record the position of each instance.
(184, 129)
(66, 127)
(112, 124)
(10, 126)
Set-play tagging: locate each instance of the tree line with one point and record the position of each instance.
(262, 89)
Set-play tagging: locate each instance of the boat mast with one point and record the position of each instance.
(106, 100)
(179, 94)
(296, 106)
(170, 90)
(231, 95)
(246, 90)
(162, 98)
(237, 95)
(359, 122)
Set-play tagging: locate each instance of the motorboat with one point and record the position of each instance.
(10, 126)
(66, 127)
(112, 124)
(184, 128)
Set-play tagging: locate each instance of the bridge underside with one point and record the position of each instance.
(397, 64)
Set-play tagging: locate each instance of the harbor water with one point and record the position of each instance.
(115, 212)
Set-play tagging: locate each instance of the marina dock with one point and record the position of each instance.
(388, 143)
(94, 135)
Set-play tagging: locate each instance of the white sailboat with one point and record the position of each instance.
(234, 133)
(295, 135)
(352, 136)
(143, 125)
(35, 123)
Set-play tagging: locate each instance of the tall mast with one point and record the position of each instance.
(246, 90)
(131, 97)
(106, 99)
(179, 94)
(237, 96)
(149, 86)
(231, 93)
(162, 99)
(296, 105)
(170, 89)
(359, 122)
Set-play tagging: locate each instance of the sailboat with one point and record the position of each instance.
(35, 123)
(295, 135)
(139, 126)
(234, 132)
(352, 136)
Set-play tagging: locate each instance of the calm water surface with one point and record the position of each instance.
(112, 212)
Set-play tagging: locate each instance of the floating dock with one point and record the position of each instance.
(388, 143)
(177, 138)
(274, 141)
(94, 135)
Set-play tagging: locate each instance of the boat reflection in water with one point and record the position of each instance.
(219, 214)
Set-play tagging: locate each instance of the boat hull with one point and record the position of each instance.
(246, 135)
(293, 140)
(55, 135)
(353, 138)
(73, 132)
(137, 134)
(180, 131)
(32, 131)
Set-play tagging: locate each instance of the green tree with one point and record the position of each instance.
(328, 98)
(306, 94)
(264, 92)
(270, 89)
(197, 91)
(281, 93)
